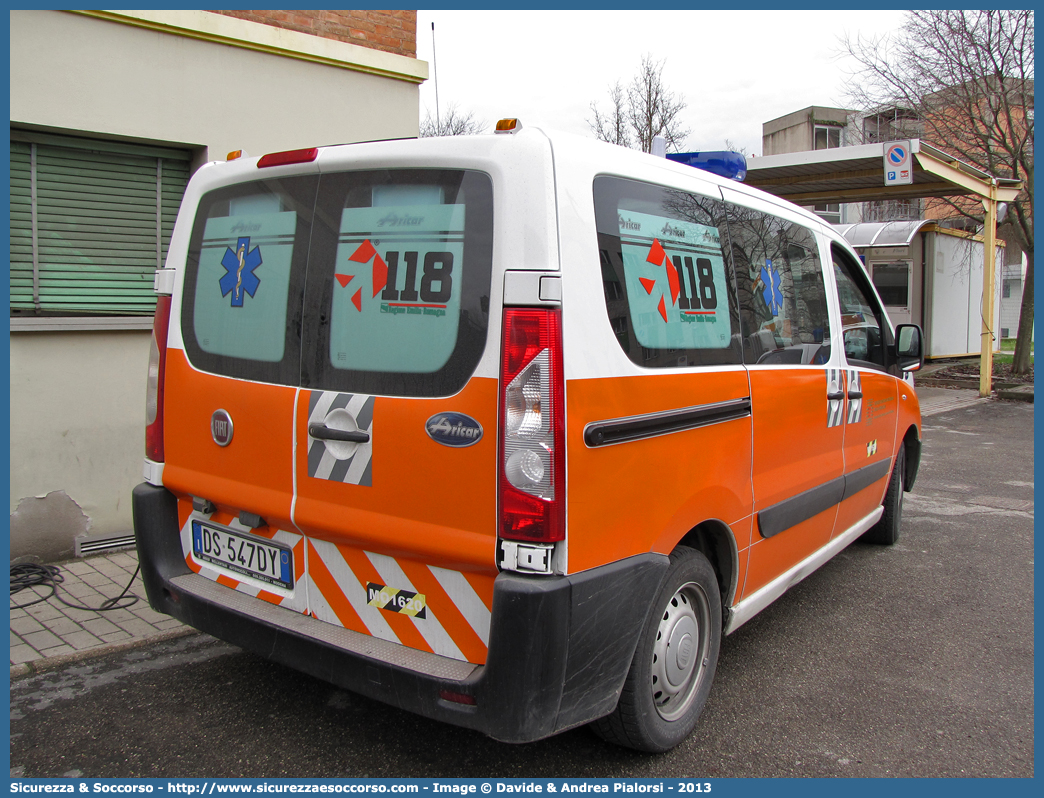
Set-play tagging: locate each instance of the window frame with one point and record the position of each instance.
(814, 241)
(317, 373)
(827, 129)
(859, 277)
(607, 191)
(91, 221)
(301, 192)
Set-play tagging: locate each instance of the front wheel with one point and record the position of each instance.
(886, 531)
(674, 664)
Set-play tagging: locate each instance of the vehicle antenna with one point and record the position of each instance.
(438, 121)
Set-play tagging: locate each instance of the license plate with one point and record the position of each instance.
(245, 555)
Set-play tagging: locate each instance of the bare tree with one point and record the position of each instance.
(730, 145)
(967, 78)
(612, 126)
(646, 109)
(653, 109)
(451, 123)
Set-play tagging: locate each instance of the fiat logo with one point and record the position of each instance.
(221, 427)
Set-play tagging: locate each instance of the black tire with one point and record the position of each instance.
(674, 663)
(886, 531)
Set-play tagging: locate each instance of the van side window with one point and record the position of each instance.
(667, 285)
(783, 307)
(863, 330)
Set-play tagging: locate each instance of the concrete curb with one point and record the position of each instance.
(1023, 393)
(34, 667)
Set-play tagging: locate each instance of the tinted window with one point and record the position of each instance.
(397, 301)
(892, 281)
(866, 336)
(782, 297)
(667, 286)
(244, 276)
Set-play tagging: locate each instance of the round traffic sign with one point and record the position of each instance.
(897, 154)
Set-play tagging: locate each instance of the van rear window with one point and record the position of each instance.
(397, 308)
(239, 320)
(244, 278)
(397, 297)
(371, 282)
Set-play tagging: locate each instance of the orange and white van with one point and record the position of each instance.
(508, 430)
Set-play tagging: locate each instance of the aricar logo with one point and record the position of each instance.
(453, 429)
(239, 275)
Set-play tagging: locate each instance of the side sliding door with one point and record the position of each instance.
(796, 386)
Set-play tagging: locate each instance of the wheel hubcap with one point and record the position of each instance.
(679, 657)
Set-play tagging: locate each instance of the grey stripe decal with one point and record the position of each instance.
(865, 477)
(633, 428)
(365, 416)
(315, 455)
(355, 469)
(835, 407)
(791, 512)
(855, 402)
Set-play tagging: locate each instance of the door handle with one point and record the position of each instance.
(838, 395)
(325, 433)
(855, 394)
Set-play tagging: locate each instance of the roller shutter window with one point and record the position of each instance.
(90, 223)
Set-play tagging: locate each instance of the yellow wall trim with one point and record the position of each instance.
(949, 231)
(234, 32)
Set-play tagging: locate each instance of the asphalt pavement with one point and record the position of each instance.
(910, 660)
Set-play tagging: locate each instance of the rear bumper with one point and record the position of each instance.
(559, 647)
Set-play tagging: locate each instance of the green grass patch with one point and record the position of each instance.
(1007, 344)
(1001, 357)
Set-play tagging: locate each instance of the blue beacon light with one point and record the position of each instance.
(724, 163)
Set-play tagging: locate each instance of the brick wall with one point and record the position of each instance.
(390, 31)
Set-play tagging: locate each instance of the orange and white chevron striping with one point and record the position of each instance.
(330, 584)
(457, 617)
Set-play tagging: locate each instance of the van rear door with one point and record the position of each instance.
(233, 364)
(396, 434)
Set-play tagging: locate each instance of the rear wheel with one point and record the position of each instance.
(886, 531)
(674, 664)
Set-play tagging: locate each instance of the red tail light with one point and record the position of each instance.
(532, 427)
(288, 157)
(154, 390)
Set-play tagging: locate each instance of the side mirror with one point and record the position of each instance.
(909, 347)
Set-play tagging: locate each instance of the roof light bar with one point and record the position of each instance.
(724, 163)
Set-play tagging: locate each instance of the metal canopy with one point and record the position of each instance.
(856, 174)
(881, 234)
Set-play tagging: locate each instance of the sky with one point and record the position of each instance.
(735, 70)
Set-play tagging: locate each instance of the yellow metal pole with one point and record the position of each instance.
(988, 273)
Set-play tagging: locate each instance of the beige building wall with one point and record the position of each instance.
(206, 80)
(77, 436)
(794, 132)
(192, 79)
